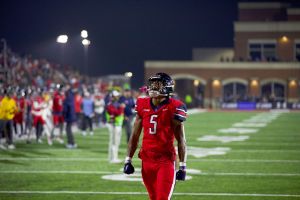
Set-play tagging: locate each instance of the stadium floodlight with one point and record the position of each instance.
(84, 34)
(62, 39)
(86, 42)
(128, 74)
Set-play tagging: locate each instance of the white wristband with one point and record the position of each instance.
(182, 164)
(127, 159)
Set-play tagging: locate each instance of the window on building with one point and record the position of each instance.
(262, 51)
(234, 92)
(297, 51)
(273, 91)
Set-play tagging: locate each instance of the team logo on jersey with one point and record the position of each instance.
(146, 110)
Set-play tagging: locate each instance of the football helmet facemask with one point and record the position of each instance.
(160, 84)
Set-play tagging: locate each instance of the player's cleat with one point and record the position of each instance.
(181, 173)
(40, 141)
(11, 147)
(91, 133)
(128, 167)
(60, 141)
(83, 133)
(71, 146)
(2, 147)
(49, 141)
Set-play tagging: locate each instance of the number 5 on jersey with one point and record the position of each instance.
(153, 122)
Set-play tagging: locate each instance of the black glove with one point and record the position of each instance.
(181, 173)
(128, 167)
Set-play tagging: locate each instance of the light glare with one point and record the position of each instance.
(62, 39)
(86, 42)
(84, 34)
(128, 74)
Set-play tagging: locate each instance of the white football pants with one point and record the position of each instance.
(114, 141)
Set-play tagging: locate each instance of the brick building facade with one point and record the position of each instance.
(265, 66)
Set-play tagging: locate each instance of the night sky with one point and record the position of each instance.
(123, 33)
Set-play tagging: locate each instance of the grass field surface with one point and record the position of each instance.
(266, 165)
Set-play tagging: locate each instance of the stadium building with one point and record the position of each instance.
(261, 71)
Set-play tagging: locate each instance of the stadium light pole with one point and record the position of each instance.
(86, 43)
(62, 39)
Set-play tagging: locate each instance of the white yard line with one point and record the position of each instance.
(56, 172)
(264, 151)
(244, 160)
(117, 172)
(189, 160)
(144, 193)
(247, 174)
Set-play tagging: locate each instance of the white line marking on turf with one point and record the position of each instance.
(144, 193)
(244, 160)
(247, 174)
(189, 160)
(263, 151)
(56, 172)
(116, 172)
(55, 159)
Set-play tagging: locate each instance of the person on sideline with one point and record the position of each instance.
(8, 109)
(114, 118)
(69, 117)
(129, 102)
(88, 109)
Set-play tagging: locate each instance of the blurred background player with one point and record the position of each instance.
(37, 112)
(114, 113)
(161, 117)
(57, 110)
(88, 109)
(8, 108)
(19, 116)
(47, 116)
(129, 102)
(143, 91)
(78, 110)
(28, 115)
(99, 108)
(69, 117)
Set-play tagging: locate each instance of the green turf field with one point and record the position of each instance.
(265, 166)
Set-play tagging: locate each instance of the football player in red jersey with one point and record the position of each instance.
(161, 118)
(18, 118)
(57, 110)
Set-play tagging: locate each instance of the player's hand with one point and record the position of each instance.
(181, 173)
(128, 167)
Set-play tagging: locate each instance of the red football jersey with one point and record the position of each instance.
(159, 135)
(57, 103)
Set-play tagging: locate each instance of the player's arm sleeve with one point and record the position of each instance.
(180, 112)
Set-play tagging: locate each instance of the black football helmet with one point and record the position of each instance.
(160, 84)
